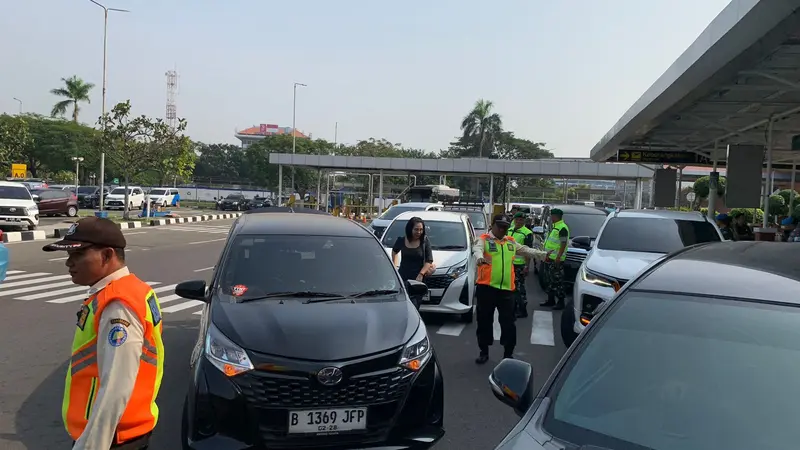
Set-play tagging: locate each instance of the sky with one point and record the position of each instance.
(559, 72)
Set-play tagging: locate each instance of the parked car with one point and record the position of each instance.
(234, 202)
(452, 285)
(699, 351)
(628, 242)
(164, 196)
(476, 213)
(584, 224)
(378, 226)
(54, 202)
(295, 354)
(89, 196)
(17, 207)
(259, 202)
(116, 198)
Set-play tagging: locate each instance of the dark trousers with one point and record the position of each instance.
(140, 443)
(489, 299)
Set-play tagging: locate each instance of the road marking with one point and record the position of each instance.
(28, 282)
(182, 306)
(26, 275)
(64, 258)
(138, 232)
(496, 326)
(80, 297)
(12, 272)
(41, 287)
(542, 332)
(451, 329)
(169, 298)
(198, 313)
(206, 242)
(203, 270)
(42, 295)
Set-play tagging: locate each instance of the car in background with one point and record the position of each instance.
(259, 202)
(63, 187)
(699, 351)
(17, 207)
(629, 241)
(163, 196)
(234, 202)
(476, 213)
(451, 235)
(56, 202)
(533, 212)
(293, 353)
(116, 198)
(378, 226)
(89, 196)
(584, 224)
(32, 183)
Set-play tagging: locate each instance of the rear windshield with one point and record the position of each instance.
(158, 192)
(636, 234)
(234, 196)
(670, 372)
(267, 264)
(86, 189)
(14, 193)
(396, 210)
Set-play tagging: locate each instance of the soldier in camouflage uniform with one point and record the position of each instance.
(556, 248)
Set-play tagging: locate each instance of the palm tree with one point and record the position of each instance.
(481, 126)
(75, 90)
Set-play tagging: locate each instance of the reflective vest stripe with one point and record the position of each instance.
(553, 242)
(499, 273)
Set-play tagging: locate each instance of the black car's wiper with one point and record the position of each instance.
(375, 292)
(296, 294)
(448, 247)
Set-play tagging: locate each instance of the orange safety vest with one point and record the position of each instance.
(83, 377)
(499, 273)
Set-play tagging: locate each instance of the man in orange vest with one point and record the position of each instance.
(495, 252)
(117, 352)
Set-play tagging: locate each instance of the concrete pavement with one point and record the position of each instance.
(39, 322)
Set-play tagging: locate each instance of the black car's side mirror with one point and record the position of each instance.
(193, 290)
(512, 384)
(416, 288)
(36, 198)
(582, 242)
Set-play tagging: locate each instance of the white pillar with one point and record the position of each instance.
(712, 193)
(767, 192)
(491, 199)
(280, 183)
(380, 193)
(637, 199)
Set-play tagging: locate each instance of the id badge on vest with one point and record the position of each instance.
(492, 246)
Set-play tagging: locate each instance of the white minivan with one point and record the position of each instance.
(378, 226)
(116, 198)
(17, 207)
(163, 196)
(452, 285)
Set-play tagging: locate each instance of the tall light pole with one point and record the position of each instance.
(20, 105)
(78, 160)
(105, 59)
(294, 129)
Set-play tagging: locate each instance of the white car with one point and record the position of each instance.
(163, 196)
(452, 285)
(378, 226)
(116, 198)
(628, 242)
(17, 207)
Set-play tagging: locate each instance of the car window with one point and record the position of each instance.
(173, 192)
(677, 372)
(158, 192)
(636, 234)
(86, 189)
(45, 194)
(118, 191)
(62, 194)
(584, 224)
(396, 210)
(14, 193)
(277, 263)
(137, 191)
(478, 219)
(235, 196)
(447, 236)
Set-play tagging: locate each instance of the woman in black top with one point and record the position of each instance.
(415, 249)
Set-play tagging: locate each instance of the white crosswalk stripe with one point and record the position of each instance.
(542, 331)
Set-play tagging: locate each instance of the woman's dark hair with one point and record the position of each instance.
(412, 222)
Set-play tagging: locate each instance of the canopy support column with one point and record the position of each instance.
(318, 194)
(767, 192)
(380, 193)
(491, 193)
(791, 193)
(712, 187)
(637, 197)
(280, 183)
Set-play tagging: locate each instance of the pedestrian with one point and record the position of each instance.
(724, 224)
(523, 235)
(414, 252)
(117, 353)
(741, 230)
(553, 267)
(495, 252)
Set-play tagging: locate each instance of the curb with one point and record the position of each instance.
(38, 235)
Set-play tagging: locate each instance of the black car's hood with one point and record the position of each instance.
(319, 331)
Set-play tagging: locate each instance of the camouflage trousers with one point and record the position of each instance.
(555, 280)
(521, 294)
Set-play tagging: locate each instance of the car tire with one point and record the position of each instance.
(72, 211)
(31, 227)
(468, 316)
(185, 425)
(568, 334)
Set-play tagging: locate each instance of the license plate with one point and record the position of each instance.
(327, 420)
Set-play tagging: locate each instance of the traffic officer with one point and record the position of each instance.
(556, 248)
(494, 252)
(117, 352)
(523, 235)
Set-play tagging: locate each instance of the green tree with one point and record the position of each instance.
(701, 189)
(74, 91)
(14, 139)
(481, 127)
(55, 142)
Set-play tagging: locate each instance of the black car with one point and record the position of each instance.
(700, 351)
(295, 353)
(234, 202)
(584, 224)
(259, 202)
(89, 196)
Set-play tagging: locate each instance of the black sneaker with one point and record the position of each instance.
(482, 358)
(559, 306)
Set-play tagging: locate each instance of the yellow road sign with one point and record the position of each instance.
(19, 170)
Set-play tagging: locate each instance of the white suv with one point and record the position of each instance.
(17, 207)
(628, 242)
(452, 285)
(116, 198)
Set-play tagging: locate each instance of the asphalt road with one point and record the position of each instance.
(38, 316)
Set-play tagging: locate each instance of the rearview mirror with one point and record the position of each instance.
(512, 384)
(36, 198)
(582, 242)
(193, 290)
(538, 230)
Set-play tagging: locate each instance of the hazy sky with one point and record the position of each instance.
(560, 72)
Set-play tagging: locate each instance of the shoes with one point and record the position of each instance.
(559, 305)
(482, 358)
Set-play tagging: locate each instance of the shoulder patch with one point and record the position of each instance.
(83, 314)
(510, 246)
(122, 322)
(152, 303)
(117, 336)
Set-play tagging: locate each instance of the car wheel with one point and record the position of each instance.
(568, 334)
(185, 425)
(72, 211)
(467, 316)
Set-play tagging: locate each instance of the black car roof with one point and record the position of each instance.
(300, 221)
(580, 209)
(768, 271)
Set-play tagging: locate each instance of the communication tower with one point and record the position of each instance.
(172, 90)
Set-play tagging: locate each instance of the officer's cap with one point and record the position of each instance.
(87, 232)
(519, 215)
(502, 220)
(556, 212)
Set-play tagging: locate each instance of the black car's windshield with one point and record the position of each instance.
(234, 197)
(258, 266)
(671, 372)
(635, 234)
(158, 192)
(396, 210)
(448, 236)
(14, 193)
(86, 189)
(584, 224)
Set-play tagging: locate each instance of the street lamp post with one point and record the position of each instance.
(294, 129)
(105, 59)
(20, 105)
(78, 160)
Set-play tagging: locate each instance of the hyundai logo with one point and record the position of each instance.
(330, 376)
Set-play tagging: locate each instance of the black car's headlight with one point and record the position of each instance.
(226, 356)
(597, 279)
(458, 269)
(418, 350)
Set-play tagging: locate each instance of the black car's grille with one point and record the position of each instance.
(268, 391)
(576, 257)
(12, 211)
(438, 281)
